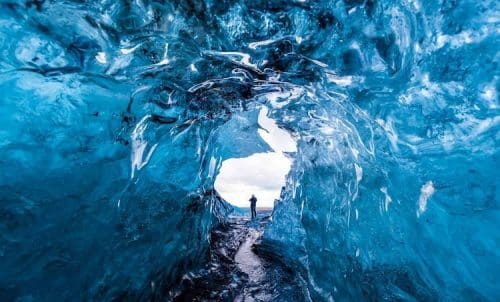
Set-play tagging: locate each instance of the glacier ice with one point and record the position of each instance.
(116, 117)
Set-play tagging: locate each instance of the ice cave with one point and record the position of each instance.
(132, 133)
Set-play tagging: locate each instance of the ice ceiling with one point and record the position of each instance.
(117, 116)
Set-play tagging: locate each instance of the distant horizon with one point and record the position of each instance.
(265, 208)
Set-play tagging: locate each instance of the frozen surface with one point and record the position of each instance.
(247, 261)
(116, 116)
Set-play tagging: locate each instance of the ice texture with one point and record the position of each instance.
(394, 194)
(116, 115)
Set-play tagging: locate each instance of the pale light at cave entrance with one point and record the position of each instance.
(262, 174)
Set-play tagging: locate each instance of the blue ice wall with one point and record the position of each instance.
(394, 192)
(115, 116)
(82, 216)
(104, 186)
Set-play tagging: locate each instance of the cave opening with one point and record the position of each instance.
(260, 173)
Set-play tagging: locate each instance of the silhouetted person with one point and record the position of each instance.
(253, 204)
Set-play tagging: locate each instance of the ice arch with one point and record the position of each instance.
(393, 193)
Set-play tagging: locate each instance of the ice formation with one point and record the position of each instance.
(116, 116)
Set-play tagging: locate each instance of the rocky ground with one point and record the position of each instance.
(237, 272)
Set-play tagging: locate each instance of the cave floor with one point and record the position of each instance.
(238, 271)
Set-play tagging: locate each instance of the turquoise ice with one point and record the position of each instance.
(116, 117)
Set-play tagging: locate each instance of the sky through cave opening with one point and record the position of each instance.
(262, 174)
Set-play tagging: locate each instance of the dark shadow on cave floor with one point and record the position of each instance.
(236, 272)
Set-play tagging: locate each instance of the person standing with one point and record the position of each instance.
(253, 205)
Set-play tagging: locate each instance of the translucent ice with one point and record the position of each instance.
(116, 116)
